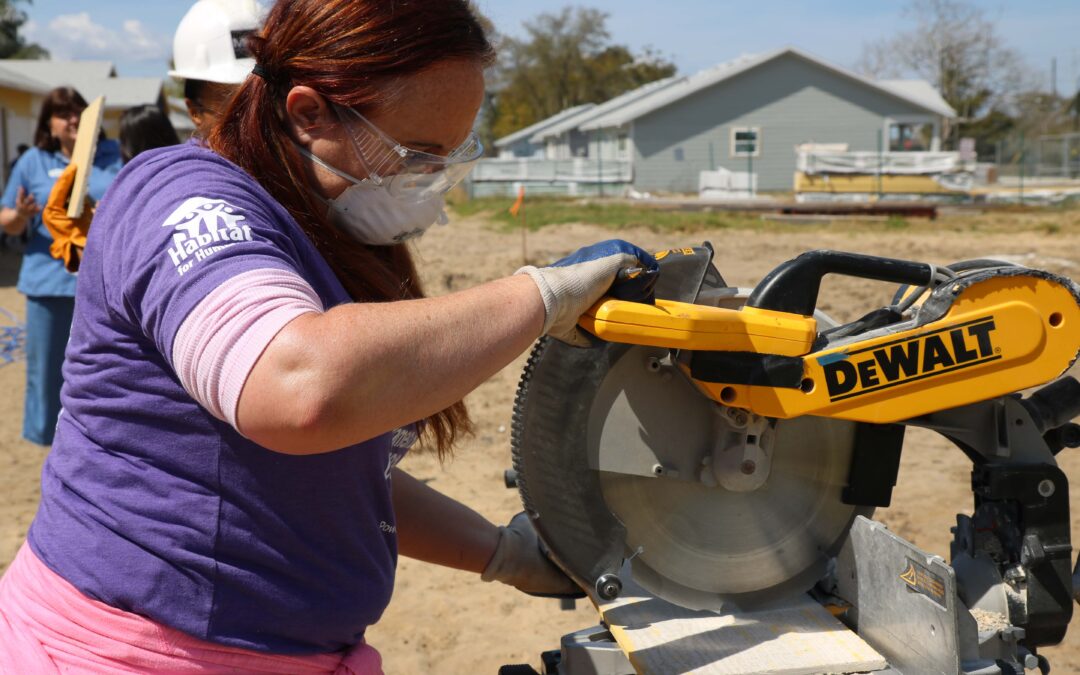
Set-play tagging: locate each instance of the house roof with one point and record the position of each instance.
(582, 118)
(529, 131)
(122, 92)
(920, 90)
(15, 80)
(915, 92)
(91, 78)
(57, 73)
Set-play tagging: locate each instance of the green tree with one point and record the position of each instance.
(956, 47)
(565, 59)
(12, 44)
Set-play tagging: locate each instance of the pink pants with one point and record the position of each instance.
(48, 626)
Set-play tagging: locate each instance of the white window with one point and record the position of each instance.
(746, 141)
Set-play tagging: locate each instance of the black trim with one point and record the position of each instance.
(875, 464)
(793, 286)
(751, 368)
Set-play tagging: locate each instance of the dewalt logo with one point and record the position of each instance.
(851, 374)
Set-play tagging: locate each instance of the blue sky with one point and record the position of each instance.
(695, 34)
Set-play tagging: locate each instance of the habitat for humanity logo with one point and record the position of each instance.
(203, 227)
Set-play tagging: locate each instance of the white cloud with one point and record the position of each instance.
(71, 36)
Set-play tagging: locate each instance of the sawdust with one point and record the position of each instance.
(989, 621)
(450, 622)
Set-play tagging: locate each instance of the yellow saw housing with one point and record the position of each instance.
(1000, 334)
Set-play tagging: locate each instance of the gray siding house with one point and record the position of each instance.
(747, 115)
(519, 144)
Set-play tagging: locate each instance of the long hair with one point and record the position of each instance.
(144, 128)
(351, 52)
(59, 101)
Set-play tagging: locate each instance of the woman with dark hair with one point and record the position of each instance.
(49, 288)
(253, 355)
(143, 128)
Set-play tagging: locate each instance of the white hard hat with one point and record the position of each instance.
(210, 42)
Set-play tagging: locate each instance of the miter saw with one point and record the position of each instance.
(724, 449)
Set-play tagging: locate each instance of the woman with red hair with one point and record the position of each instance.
(252, 355)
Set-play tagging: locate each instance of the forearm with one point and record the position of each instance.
(338, 378)
(12, 222)
(436, 529)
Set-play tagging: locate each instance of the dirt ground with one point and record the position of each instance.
(450, 622)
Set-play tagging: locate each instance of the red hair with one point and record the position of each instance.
(351, 52)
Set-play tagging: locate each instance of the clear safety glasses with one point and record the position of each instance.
(408, 175)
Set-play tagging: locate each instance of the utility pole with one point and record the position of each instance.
(1022, 153)
(599, 162)
(880, 159)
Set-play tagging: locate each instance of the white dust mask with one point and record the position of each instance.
(373, 216)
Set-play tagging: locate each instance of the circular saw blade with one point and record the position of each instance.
(589, 425)
(702, 546)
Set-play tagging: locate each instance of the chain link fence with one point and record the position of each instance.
(1037, 158)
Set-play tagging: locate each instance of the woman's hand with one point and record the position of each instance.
(14, 221)
(572, 285)
(25, 205)
(521, 562)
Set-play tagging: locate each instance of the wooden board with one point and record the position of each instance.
(800, 638)
(83, 155)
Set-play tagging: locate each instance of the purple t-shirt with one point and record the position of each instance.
(152, 505)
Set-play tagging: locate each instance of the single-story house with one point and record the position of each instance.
(746, 115)
(519, 144)
(23, 85)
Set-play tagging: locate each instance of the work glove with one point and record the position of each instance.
(69, 234)
(521, 561)
(572, 285)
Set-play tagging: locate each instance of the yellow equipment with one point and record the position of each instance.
(999, 333)
(726, 449)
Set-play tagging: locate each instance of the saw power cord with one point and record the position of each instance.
(938, 276)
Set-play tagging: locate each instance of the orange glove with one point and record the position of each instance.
(69, 234)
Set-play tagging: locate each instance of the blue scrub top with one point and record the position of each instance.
(36, 172)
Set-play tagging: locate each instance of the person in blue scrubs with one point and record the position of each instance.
(49, 288)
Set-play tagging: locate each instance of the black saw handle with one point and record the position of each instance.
(793, 286)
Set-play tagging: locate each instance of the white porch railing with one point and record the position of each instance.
(892, 163)
(576, 170)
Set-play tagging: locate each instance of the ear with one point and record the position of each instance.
(308, 113)
(194, 112)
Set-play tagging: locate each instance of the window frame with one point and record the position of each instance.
(735, 153)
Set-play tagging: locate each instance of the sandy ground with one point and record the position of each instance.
(450, 622)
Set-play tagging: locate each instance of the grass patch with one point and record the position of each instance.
(543, 211)
(1059, 219)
